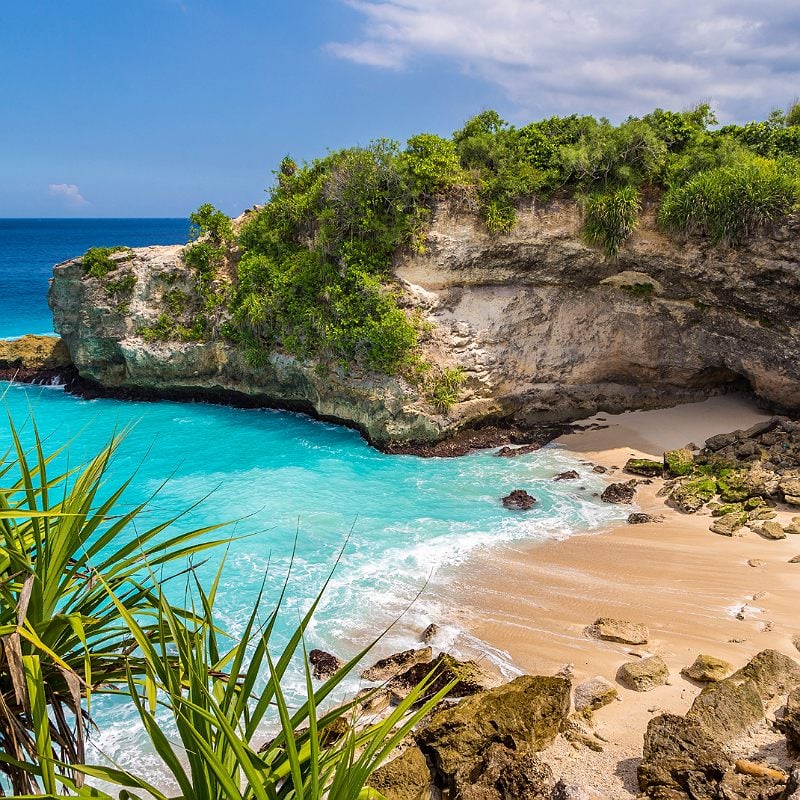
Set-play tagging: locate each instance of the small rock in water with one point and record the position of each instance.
(429, 632)
(510, 452)
(569, 475)
(519, 500)
(599, 469)
(325, 664)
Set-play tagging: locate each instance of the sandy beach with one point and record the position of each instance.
(684, 582)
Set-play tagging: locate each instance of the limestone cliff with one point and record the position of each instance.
(545, 328)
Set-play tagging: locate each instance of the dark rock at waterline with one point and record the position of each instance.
(467, 676)
(524, 716)
(620, 492)
(640, 518)
(599, 469)
(393, 665)
(510, 452)
(325, 664)
(569, 475)
(427, 635)
(519, 500)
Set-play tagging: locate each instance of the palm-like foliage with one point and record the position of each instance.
(60, 627)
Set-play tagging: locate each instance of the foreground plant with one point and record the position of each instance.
(61, 634)
(77, 618)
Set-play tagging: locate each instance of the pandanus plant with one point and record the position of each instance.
(79, 616)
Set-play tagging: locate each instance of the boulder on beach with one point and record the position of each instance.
(640, 518)
(395, 664)
(643, 675)
(527, 714)
(325, 665)
(618, 630)
(678, 462)
(506, 772)
(771, 530)
(728, 524)
(773, 673)
(679, 757)
(619, 492)
(728, 708)
(468, 676)
(406, 777)
(519, 500)
(594, 693)
(644, 466)
(690, 495)
(789, 723)
(707, 669)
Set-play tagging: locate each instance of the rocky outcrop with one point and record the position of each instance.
(544, 327)
(393, 665)
(324, 664)
(35, 359)
(707, 669)
(518, 500)
(495, 733)
(644, 675)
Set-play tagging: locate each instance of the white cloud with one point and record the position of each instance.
(69, 193)
(612, 57)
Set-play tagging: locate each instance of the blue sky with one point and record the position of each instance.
(151, 107)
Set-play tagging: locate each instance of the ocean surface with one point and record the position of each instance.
(292, 483)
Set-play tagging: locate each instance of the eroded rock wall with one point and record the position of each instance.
(545, 328)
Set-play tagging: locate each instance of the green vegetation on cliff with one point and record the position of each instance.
(311, 271)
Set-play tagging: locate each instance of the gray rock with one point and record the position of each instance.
(506, 773)
(644, 675)
(594, 693)
(772, 672)
(618, 630)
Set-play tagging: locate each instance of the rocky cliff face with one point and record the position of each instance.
(545, 328)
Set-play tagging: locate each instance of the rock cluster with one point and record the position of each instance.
(519, 500)
(689, 757)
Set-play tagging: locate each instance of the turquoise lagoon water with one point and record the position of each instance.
(295, 482)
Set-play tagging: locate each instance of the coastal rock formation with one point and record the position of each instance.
(406, 777)
(35, 359)
(387, 668)
(545, 328)
(789, 723)
(594, 693)
(619, 492)
(523, 716)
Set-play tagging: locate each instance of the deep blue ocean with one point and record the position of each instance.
(287, 479)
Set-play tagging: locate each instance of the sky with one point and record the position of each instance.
(132, 108)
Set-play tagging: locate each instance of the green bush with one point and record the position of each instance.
(123, 286)
(96, 261)
(610, 218)
(445, 388)
(793, 115)
(431, 163)
(732, 202)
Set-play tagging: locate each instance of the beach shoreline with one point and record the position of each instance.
(695, 590)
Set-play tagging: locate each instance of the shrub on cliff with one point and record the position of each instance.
(97, 261)
(611, 217)
(731, 202)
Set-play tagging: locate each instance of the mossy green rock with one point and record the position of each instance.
(707, 669)
(733, 486)
(644, 466)
(406, 777)
(772, 672)
(678, 462)
(727, 508)
(728, 524)
(691, 495)
(752, 503)
(526, 713)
